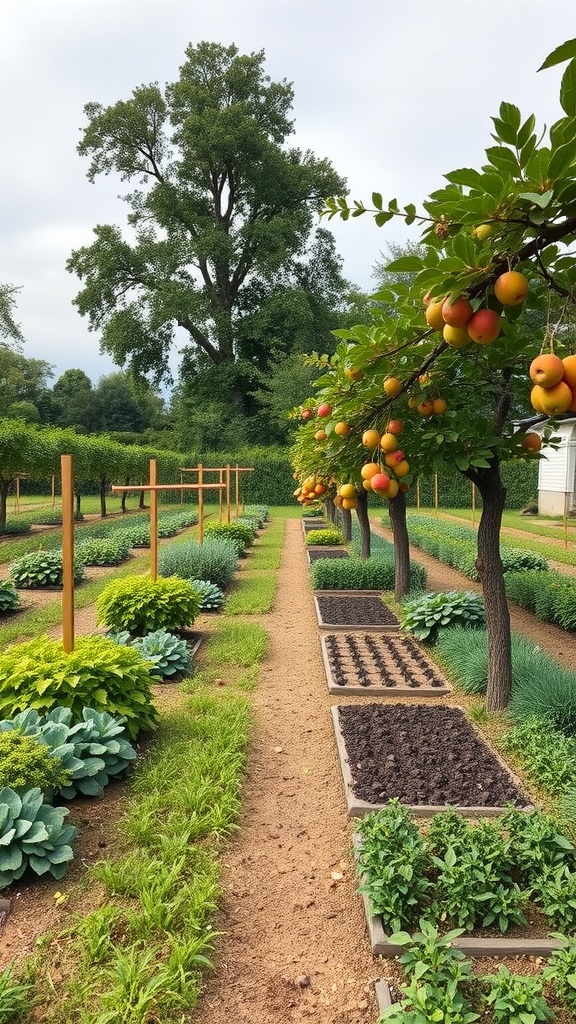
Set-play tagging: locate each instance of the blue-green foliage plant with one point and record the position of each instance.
(142, 605)
(260, 512)
(91, 751)
(99, 674)
(32, 836)
(427, 615)
(212, 598)
(169, 655)
(40, 569)
(216, 559)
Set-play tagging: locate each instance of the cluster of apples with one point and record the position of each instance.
(458, 322)
(554, 380)
(310, 490)
(386, 481)
(347, 497)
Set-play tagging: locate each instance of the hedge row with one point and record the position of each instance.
(456, 545)
(550, 596)
(519, 478)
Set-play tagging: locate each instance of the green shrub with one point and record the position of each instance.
(9, 598)
(142, 605)
(549, 595)
(212, 598)
(259, 512)
(97, 674)
(546, 754)
(327, 536)
(102, 551)
(26, 762)
(215, 560)
(51, 517)
(560, 971)
(42, 569)
(361, 574)
(426, 616)
(240, 533)
(169, 654)
(32, 835)
(16, 527)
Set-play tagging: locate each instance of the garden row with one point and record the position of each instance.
(549, 595)
(456, 875)
(69, 720)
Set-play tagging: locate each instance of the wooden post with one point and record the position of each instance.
(237, 489)
(67, 470)
(53, 490)
(200, 504)
(153, 521)
(473, 504)
(181, 492)
(228, 493)
(220, 499)
(436, 493)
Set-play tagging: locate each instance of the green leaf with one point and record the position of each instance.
(503, 159)
(568, 89)
(404, 263)
(539, 199)
(465, 176)
(505, 131)
(562, 158)
(381, 218)
(526, 131)
(510, 114)
(377, 200)
(566, 51)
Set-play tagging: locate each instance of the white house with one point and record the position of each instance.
(557, 473)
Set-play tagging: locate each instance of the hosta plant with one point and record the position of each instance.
(90, 751)
(97, 674)
(168, 654)
(42, 569)
(211, 596)
(32, 835)
(9, 597)
(427, 615)
(142, 605)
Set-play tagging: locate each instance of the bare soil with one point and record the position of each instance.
(380, 661)
(354, 610)
(293, 945)
(423, 756)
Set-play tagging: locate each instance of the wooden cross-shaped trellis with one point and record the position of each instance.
(227, 471)
(67, 470)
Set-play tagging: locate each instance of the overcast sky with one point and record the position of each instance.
(393, 92)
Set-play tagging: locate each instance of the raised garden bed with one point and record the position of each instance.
(392, 666)
(313, 524)
(358, 609)
(314, 553)
(428, 757)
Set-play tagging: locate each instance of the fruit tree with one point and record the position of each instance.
(452, 352)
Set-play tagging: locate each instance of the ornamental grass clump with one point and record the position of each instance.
(98, 674)
(429, 614)
(216, 559)
(42, 569)
(142, 605)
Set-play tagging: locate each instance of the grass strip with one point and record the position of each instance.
(254, 598)
(238, 644)
(139, 956)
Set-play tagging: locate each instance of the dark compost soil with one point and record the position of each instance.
(422, 755)
(354, 610)
(370, 661)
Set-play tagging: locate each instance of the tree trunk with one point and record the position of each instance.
(401, 546)
(489, 565)
(141, 501)
(330, 511)
(346, 525)
(124, 496)
(362, 513)
(4, 488)
(103, 489)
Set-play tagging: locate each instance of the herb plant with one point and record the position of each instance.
(514, 999)
(329, 536)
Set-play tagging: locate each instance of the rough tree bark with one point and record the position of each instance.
(362, 513)
(490, 571)
(346, 525)
(401, 546)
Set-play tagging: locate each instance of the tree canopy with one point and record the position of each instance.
(220, 208)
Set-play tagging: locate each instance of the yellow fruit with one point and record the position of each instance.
(349, 503)
(367, 484)
(483, 231)
(369, 469)
(347, 491)
(456, 337)
(440, 406)
(402, 468)
(342, 428)
(393, 488)
(370, 438)
(392, 386)
(388, 442)
(511, 288)
(551, 401)
(320, 435)
(434, 316)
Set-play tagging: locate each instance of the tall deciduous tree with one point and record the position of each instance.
(9, 329)
(218, 203)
